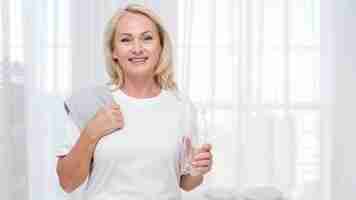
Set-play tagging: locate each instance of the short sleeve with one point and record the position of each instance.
(67, 139)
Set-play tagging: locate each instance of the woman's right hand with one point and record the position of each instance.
(106, 120)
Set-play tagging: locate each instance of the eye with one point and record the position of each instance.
(125, 40)
(148, 37)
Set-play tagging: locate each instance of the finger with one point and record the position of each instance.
(115, 110)
(203, 170)
(203, 156)
(201, 163)
(117, 118)
(206, 147)
(116, 113)
(115, 106)
(118, 124)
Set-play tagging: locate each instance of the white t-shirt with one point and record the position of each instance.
(141, 161)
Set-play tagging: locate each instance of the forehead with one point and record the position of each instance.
(135, 23)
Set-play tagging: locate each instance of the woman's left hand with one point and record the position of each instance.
(203, 159)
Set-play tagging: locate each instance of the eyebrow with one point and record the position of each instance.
(129, 34)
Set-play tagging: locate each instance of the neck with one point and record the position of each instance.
(141, 88)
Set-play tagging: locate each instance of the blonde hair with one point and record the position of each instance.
(164, 72)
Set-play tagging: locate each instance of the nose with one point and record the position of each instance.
(137, 48)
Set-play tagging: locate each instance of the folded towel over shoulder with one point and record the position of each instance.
(83, 104)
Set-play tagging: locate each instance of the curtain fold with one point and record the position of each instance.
(13, 145)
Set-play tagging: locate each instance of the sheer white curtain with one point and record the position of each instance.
(13, 158)
(256, 65)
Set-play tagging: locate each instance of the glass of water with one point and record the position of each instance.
(194, 141)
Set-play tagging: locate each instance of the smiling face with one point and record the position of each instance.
(137, 45)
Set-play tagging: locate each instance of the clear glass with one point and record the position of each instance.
(193, 142)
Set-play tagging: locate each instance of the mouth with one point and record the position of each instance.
(138, 60)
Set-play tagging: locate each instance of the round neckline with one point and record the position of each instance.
(140, 100)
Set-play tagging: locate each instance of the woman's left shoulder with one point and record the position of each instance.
(178, 96)
(182, 100)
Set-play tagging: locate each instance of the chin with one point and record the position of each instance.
(140, 72)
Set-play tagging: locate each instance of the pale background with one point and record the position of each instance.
(277, 78)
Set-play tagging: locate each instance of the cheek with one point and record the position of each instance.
(121, 53)
(156, 52)
(120, 47)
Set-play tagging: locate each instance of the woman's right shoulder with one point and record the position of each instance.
(88, 92)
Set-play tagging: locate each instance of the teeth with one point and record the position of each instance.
(138, 60)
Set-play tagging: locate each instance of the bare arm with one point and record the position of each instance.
(188, 183)
(74, 168)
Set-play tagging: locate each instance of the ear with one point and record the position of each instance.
(115, 57)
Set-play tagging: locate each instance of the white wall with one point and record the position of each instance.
(338, 29)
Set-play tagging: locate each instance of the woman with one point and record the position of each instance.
(131, 148)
